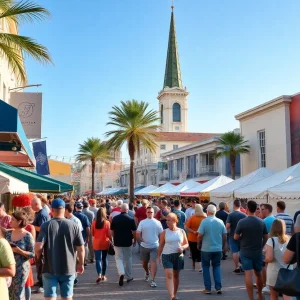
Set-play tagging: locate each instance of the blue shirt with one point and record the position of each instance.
(269, 221)
(212, 230)
(40, 218)
(181, 218)
(84, 222)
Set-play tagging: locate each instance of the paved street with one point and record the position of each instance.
(190, 286)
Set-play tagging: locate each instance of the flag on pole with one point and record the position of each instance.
(40, 154)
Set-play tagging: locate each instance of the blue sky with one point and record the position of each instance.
(234, 55)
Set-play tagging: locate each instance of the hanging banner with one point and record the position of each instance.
(29, 106)
(40, 154)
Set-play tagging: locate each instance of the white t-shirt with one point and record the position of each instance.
(150, 230)
(189, 212)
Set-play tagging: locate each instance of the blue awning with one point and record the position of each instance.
(14, 146)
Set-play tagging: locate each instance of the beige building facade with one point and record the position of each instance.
(267, 130)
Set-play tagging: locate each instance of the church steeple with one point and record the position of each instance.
(172, 73)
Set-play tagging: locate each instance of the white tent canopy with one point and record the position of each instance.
(161, 190)
(175, 190)
(9, 184)
(259, 190)
(146, 190)
(289, 192)
(225, 193)
(207, 186)
(108, 191)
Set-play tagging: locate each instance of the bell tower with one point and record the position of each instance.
(173, 104)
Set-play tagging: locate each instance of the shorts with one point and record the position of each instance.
(252, 262)
(234, 245)
(173, 261)
(51, 282)
(147, 254)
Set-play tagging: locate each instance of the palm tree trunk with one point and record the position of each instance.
(131, 150)
(232, 166)
(93, 178)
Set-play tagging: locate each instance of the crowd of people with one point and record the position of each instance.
(61, 235)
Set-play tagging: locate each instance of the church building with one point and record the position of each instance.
(173, 110)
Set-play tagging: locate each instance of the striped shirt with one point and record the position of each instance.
(289, 222)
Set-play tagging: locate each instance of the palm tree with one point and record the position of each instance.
(93, 151)
(14, 46)
(136, 126)
(231, 145)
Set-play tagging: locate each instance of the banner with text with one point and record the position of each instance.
(29, 107)
(40, 154)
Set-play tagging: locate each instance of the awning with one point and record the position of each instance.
(12, 185)
(36, 183)
(120, 192)
(14, 146)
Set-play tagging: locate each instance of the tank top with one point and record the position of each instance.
(173, 240)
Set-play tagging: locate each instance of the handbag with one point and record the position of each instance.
(288, 280)
(111, 249)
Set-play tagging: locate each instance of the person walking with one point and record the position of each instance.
(231, 223)
(41, 217)
(61, 241)
(86, 226)
(275, 247)
(192, 226)
(289, 222)
(148, 233)
(191, 210)
(179, 213)
(7, 266)
(141, 212)
(4, 218)
(222, 215)
(69, 215)
(161, 215)
(292, 251)
(266, 211)
(22, 244)
(252, 233)
(91, 217)
(101, 242)
(93, 207)
(123, 231)
(213, 235)
(173, 242)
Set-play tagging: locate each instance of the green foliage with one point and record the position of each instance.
(14, 46)
(92, 150)
(232, 144)
(134, 125)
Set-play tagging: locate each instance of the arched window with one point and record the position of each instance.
(161, 114)
(176, 112)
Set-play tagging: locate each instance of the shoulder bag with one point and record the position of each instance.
(288, 280)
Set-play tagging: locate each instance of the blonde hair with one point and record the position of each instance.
(278, 230)
(173, 217)
(199, 210)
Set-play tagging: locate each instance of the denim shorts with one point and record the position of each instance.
(234, 245)
(51, 282)
(173, 261)
(252, 262)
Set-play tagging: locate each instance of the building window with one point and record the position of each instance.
(162, 147)
(175, 147)
(262, 148)
(176, 112)
(161, 114)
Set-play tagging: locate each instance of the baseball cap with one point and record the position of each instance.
(79, 205)
(92, 201)
(58, 203)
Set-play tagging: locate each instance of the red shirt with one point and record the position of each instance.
(5, 221)
(243, 210)
(141, 214)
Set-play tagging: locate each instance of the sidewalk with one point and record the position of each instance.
(191, 284)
